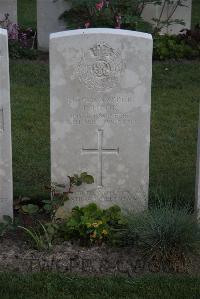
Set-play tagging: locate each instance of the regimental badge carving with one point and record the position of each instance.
(100, 68)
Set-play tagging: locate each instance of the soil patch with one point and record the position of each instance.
(15, 255)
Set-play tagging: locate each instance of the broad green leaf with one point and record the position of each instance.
(88, 179)
(30, 209)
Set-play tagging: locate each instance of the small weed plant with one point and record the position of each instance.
(42, 236)
(60, 193)
(91, 225)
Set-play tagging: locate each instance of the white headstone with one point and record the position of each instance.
(100, 114)
(6, 187)
(181, 13)
(10, 7)
(48, 13)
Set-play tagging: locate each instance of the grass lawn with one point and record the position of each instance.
(54, 286)
(27, 14)
(30, 126)
(175, 98)
(195, 12)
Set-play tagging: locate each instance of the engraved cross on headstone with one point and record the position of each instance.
(100, 151)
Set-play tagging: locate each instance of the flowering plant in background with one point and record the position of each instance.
(12, 28)
(16, 33)
(20, 39)
(99, 5)
(124, 14)
(117, 14)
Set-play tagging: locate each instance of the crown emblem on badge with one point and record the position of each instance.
(101, 50)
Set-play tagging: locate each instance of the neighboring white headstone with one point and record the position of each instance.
(10, 7)
(6, 186)
(48, 13)
(181, 13)
(100, 114)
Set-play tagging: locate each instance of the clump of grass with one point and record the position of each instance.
(40, 238)
(165, 233)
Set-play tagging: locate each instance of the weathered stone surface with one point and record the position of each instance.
(181, 13)
(6, 189)
(100, 114)
(48, 13)
(10, 7)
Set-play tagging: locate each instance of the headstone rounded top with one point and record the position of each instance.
(123, 32)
